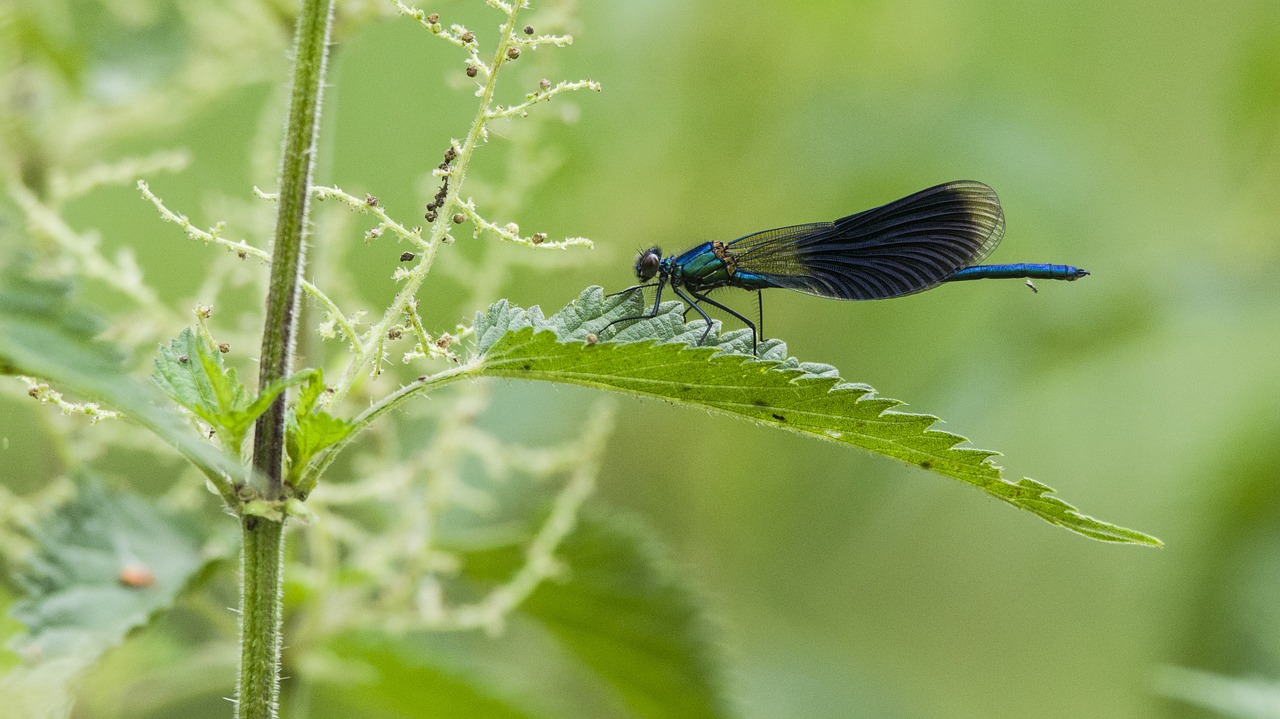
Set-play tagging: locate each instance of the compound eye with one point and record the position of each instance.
(647, 264)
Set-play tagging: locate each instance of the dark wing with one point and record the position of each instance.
(903, 247)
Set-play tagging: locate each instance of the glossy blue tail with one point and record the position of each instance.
(1028, 271)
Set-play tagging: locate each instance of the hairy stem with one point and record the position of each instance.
(310, 52)
(259, 687)
(258, 692)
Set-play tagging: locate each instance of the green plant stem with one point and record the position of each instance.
(310, 52)
(258, 690)
(311, 475)
(260, 618)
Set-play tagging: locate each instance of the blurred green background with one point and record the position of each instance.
(1139, 140)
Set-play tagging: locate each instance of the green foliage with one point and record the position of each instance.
(192, 372)
(630, 617)
(103, 565)
(617, 609)
(44, 334)
(618, 625)
(653, 358)
(624, 612)
(1223, 696)
(406, 679)
(310, 430)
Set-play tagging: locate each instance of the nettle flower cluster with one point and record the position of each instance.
(429, 480)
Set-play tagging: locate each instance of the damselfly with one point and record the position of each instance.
(907, 246)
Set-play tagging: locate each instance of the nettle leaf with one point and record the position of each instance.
(40, 327)
(44, 334)
(626, 614)
(193, 373)
(189, 372)
(104, 565)
(311, 430)
(653, 358)
(403, 676)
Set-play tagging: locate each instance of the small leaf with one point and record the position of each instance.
(623, 611)
(43, 334)
(652, 357)
(311, 430)
(192, 372)
(104, 564)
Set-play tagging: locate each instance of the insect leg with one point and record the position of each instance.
(745, 321)
(695, 306)
(631, 289)
(654, 313)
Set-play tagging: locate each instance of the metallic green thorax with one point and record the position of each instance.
(700, 267)
(708, 266)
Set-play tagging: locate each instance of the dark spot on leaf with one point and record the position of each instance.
(780, 418)
(926, 464)
(526, 366)
(760, 403)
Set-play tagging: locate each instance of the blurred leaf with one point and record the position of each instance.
(1255, 99)
(41, 691)
(44, 334)
(617, 635)
(380, 678)
(104, 564)
(624, 612)
(652, 357)
(1229, 696)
